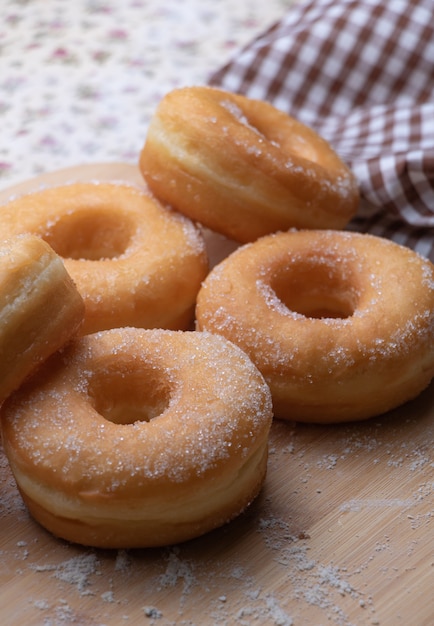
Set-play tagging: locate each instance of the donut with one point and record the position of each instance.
(340, 324)
(243, 168)
(135, 262)
(40, 308)
(139, 437)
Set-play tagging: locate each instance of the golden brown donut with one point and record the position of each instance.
(40, 308)
(243, 168)
(340, 324)
(136, 438)
(135, 262)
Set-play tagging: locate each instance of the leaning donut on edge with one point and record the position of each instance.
(243, 168)
(40, 308)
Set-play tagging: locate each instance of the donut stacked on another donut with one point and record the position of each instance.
(340, 324)
(135, 262)
(40, 308)
(243, 168)
(136, 438)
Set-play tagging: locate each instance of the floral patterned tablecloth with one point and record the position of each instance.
(79, 80)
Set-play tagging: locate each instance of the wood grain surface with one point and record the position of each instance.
(342, 533)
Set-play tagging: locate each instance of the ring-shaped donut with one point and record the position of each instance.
(136, 438)
(135, 262)
(340, 324)
(243, 168)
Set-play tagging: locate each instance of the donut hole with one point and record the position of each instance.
(290, 135)
(316, 291)
(128, 397)
(90, 235)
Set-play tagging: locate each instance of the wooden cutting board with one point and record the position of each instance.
(342, 533)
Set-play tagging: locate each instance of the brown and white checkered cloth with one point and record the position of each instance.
(361, 73)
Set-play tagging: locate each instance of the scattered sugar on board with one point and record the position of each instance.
(252, 606)
(76, 571)
(10, 500)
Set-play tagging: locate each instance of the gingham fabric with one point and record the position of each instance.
(361, 73)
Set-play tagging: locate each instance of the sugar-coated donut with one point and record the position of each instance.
(136, 438)
(135, 262)
(340, 324)
(40, 308)
(243, 168)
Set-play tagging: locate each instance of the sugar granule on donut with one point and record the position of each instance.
(243, 168)
(135, 262)
(340, 324)
(136, 438)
